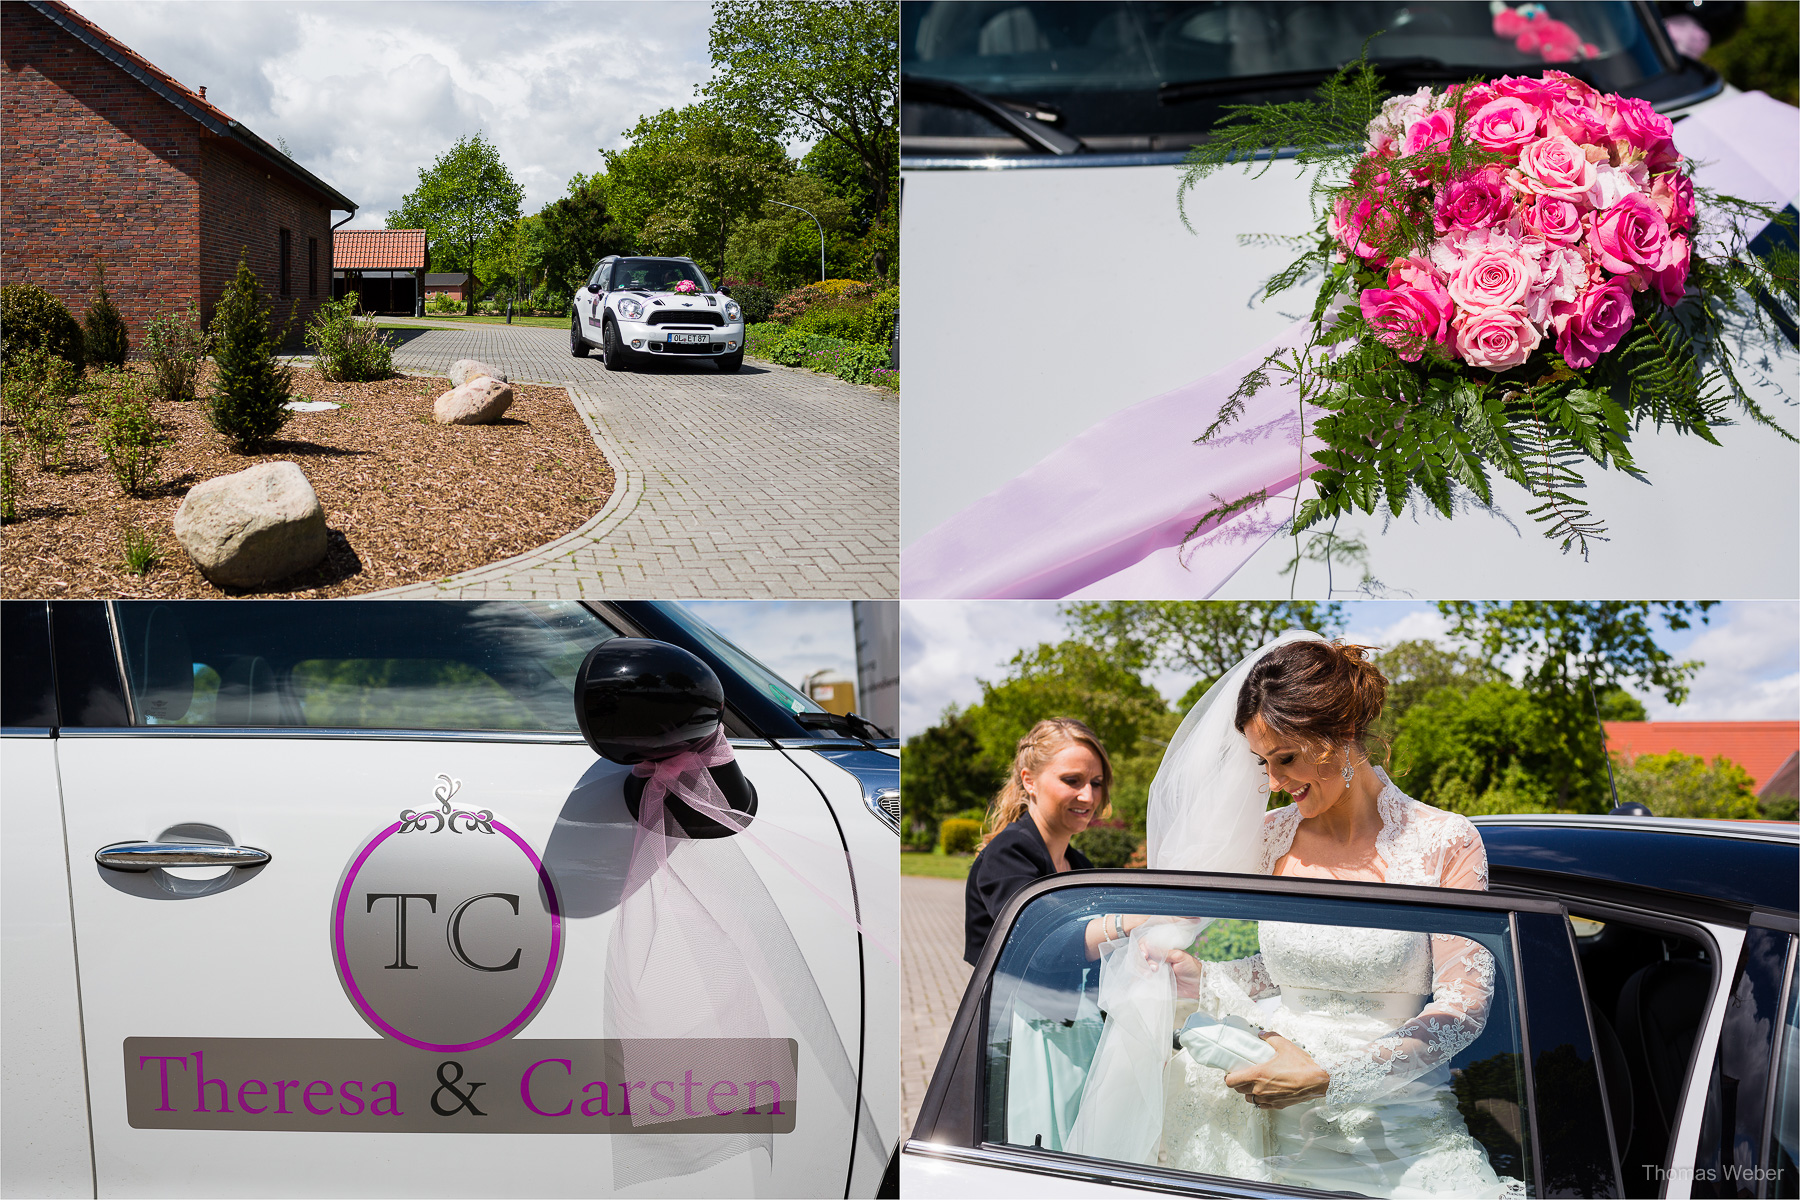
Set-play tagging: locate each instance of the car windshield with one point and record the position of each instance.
(1120, 69)
(656, 275)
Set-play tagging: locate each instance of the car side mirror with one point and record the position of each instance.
(724, 291)
(639, 700)
(594, 288)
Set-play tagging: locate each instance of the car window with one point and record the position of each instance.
(746, 667)
(1784, 1131)
(368, 665)
(1412, 1010)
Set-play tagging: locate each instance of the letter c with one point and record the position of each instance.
(455, 934)
(525, 1083)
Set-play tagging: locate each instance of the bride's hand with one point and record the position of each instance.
(1288, 1078)
(1187, 971)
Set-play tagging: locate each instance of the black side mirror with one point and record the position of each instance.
(639, 700)
(594, 288)
(724, 291)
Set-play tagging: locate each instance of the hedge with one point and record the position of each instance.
(957, 836)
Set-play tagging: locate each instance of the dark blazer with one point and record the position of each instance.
(1015, 857)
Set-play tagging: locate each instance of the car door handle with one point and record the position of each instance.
(141, 856)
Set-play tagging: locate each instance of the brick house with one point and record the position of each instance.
(455, 284)
(105, 154)
(384, 267)
(1765, 749)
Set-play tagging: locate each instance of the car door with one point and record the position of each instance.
(592, 304)
(1000, 1117)
(346, 986)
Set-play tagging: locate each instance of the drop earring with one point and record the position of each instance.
(1349, 774)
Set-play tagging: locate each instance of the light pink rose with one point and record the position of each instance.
(1496, 338)
(1575, 121)
(1493, 278)
(1388, 130)
(1673, 195)
(1477, 200)
(1554, 219)
(1430, 132)
(1506, 125)
(1636, 123)
(1612, 184)
(1402, 317)
(1414, 273)
(1670, 283)
(1561, 277)
(1593, 323)
(1629, 235)
(1569, 88)
(1556, 166)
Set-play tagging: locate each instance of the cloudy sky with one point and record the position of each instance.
(1751, 650)
(368, 94)
(793, 638)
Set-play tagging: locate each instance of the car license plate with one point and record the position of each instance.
(690, 339)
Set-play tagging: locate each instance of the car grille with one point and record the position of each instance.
(684, 316)
(684, 347)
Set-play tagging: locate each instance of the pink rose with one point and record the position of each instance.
(1405, 317)
(1495, 338)
(1575, 121)
(1505, 125)
(1670, 283)
(1354, 227)
(1414, 273)
(1541, 94)
(1593, 323)
(1612, 184)
(1554, 219)
(1556, 166)
(1673, 195)
(1562, 276)
(1569, 88)
(1430, 132)
(1477, 200)
(1508, 23)
(1494, 278)
(1629, 235)
(1640, 126)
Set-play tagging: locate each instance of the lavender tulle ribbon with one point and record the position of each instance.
(700, 949)
(1105, 516)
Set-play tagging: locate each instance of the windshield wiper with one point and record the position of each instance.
(954, 95)
(1398, 70)
(848, 724)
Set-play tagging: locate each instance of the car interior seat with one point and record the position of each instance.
(1658, 1016)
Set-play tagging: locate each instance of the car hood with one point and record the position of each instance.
(677, 299)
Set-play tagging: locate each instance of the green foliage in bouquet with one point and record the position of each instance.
(1402, 415)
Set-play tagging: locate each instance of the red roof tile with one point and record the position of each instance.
(378, 250)
(1760, 747)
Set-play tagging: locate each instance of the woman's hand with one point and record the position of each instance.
(1187, 970)
(1289, 1078)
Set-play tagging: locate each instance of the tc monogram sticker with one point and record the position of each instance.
(445, 929)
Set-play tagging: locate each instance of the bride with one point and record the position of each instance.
(1363, 1023)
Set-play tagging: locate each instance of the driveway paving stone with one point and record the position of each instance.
(932, 978)
(772, 483)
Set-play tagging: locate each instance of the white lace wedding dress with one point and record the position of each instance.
(1383, 1011)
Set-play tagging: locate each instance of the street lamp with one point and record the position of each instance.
(797, 208)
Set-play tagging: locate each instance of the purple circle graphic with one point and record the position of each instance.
(341, 953)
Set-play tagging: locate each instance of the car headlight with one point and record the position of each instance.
(631, 310)
(732, 312)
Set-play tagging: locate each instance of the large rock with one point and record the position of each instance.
(254, 527)
(465, 369)
(477, 402)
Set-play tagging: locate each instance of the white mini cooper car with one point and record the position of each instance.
(637, 308)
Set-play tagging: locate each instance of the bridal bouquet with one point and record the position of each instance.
(1510, 282)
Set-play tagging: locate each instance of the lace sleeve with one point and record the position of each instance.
(1462, 991)
(1246, 975)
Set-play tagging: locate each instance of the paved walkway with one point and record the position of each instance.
(770, 483)
(932, 978)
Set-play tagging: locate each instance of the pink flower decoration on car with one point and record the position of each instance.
(1494, 278)
(1629, 235)
(1670, 283)
(686, 287)
(1594, 323)
(1496, 338)
(1506, 125)
(1402, 317)
(1477, 200)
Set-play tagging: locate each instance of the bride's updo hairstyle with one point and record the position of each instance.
(1320, 694)
(1047, 739)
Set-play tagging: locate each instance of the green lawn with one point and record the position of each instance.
(940, 866)
(518, 319)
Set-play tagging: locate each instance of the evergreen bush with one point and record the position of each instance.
(246, 404)
(106, 339)
(880, 318)
(37, 388)
(349, 347)
(176, 345)
(959, 836)
(128, 432)
(31, 316)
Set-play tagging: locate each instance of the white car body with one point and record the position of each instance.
(656, 323)
(95, 956)
(1065, 289)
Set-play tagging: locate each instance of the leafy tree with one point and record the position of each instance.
(818, 70)
(561, 244)
(689, 175)
(251, 389)
(1415, 669)
(945, 772)
(1207, 637)
(836, 166)
(1686, 785)
(1564, 644)
(463, 199)
(1066, 679)
(781, 247)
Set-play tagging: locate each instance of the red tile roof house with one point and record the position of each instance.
(105, 154)
(384, 267)
(1765, 749)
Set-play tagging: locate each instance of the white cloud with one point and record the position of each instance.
(793, 638)
(368, 94)
(1751, 649)
(946, 646)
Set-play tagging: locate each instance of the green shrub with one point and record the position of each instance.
(1685, 785)
(37, 388)
(104, 336)
(958, 836)
(756, 300)
(349, 347)
(831, 292)
(488, 308)
(128, 432)
(246, 404)
(31, 316)
(831, 320)
(176, 345)
(12, 487)
(886, 377)
(141, 552)
(441, 302)
(880, 318)
(1108, 844)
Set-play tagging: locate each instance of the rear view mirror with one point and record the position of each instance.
(639, 700)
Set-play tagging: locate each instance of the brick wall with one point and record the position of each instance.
(97, 163)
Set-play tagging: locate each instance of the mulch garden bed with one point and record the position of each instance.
(406, 500)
